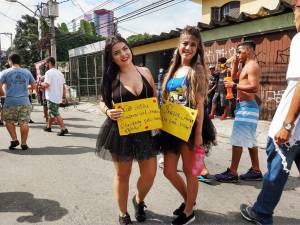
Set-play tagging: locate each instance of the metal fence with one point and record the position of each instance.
(85, 75)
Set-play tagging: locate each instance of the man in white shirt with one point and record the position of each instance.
(283, 147)
(54, 85)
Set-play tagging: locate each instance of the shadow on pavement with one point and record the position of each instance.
(154, 218)
(76, 119)
(41, 209)
(212, 218)
(56, 127)
(292, 183)
(81, 126)
(82, 135)
(64, 150)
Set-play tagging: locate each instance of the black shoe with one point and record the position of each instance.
(13, 144)
(252, 175)
(248, 214)
(31, 121)
(63, 132)
(24, 147)
(183, 219)
(180, 210)
(1, 123)
(47, 129)
(139, 209)
(124, 220)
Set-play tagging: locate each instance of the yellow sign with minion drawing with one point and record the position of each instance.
(177, 119)
(138, 116)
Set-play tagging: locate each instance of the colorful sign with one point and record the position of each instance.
(138, 116)
(178, 120)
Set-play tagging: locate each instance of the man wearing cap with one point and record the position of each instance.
(283, 147)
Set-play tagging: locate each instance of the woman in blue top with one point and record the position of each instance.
(186, 83)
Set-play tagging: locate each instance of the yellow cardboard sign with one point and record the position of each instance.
(138, 116)
(178, 120)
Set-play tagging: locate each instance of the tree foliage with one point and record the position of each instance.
(67, 41)
(94, 33)
(86, 28)
(63, 28)
(138, 37)
(26, 40)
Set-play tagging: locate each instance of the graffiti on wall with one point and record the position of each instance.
(260, 57)
(273, 99)
(213, 56)
(282, 56)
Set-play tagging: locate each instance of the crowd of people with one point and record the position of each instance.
(16, 103)
(187, 83)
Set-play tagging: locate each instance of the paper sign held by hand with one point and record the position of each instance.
(178, 120)
(138, 116)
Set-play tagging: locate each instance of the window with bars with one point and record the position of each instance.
(229, 9)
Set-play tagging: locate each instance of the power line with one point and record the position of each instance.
(136, 15)
(126, 29)
(99, 6)
(153, 5)
(130, 2)
(63, 1)
(77, 4)
(3, 14)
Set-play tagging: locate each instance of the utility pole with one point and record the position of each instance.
(115, 24)
(52, 14)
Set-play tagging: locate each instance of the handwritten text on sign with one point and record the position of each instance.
(178, 120)
(138, 116)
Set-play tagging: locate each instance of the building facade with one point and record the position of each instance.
(104, 22)
(218, 9)
(271, 30)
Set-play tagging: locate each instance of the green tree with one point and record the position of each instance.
(94, 33)
(67, 41)
(85, 28)
(138, 37)
(26, 40)
(63, 28)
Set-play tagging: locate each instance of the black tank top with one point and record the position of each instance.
(122, 94)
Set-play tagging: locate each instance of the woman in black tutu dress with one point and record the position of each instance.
(122, 82)
(186, 83)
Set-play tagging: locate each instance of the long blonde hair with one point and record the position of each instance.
(198, 75)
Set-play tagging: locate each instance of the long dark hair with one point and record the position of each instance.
(198, 76)
(111, 69)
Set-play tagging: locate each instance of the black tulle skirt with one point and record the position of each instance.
(111, 146)
(170, 143)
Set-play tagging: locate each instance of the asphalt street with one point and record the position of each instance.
(61, 181)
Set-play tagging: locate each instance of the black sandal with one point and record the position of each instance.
(13, 144)
(24, 147)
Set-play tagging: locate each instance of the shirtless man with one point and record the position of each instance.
(246, 115)
(283, 145)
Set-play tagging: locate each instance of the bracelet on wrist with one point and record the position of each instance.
(106, 111)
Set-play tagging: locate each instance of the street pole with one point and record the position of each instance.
(53, 13)
(53, 42)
